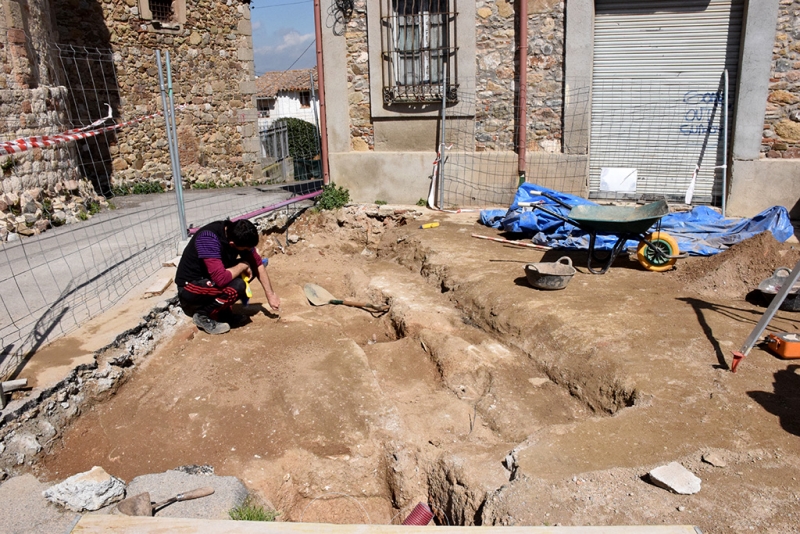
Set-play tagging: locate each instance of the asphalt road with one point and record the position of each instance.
(52, 282)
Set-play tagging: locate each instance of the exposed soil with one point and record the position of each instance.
(738, 270)
(495, 402)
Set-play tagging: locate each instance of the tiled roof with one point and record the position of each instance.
(270, 83)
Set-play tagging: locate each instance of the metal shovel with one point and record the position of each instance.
(319, 297)
(141, 505)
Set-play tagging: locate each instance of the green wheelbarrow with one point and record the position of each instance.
(657, 251)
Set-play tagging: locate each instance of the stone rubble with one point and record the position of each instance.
(714, 459)
(90, 490)
(33, 420)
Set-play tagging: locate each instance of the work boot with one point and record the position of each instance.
(235, 320)
(208, 325)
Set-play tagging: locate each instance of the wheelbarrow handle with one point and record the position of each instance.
(553, 198)
(556, 215)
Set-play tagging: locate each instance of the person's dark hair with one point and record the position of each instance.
(243, 233)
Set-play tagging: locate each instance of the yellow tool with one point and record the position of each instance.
(247, 291)
(430, 225)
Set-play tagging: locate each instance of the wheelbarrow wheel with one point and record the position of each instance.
(657, 252)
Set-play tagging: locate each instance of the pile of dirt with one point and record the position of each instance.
(735, 272)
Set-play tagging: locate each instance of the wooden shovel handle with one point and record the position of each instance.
(195, 494)
(188, 496)
(365, 305)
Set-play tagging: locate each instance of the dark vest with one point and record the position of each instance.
(191, 268)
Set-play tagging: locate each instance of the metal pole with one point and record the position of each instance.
(440, 173)
(168, 125)
(176, 171)
(725, 147)
(777, 300)
(314, 107)
(522, 102)
(323, 110)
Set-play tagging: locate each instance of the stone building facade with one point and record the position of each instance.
(379, 150)
(362, 132)
(32, 103)
(64, 60)
(210, 44)
(782, 121)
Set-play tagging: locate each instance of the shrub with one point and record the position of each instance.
(333, 197)
(139, 188)
(303, 138)
(145, 188)
(249, 510)
(422, 202)
(381, 202)
(93, 207)
(211, 184)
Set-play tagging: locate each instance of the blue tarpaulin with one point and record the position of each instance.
(701, 231)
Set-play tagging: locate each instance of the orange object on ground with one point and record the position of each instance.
(784, 345)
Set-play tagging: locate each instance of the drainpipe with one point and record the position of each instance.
(321, 81)
(522, 104)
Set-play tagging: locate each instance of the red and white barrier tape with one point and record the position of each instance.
(43, 141)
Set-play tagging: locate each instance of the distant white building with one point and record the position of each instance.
(287, 94)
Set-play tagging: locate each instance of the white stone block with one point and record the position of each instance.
(676, 478)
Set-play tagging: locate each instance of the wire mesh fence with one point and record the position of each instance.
(480, 162)
(616, 140)
(88, 207)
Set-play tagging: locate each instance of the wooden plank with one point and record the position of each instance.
(172, 263)
(121, 524)
(161, 285)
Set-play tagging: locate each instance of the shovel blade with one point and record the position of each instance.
(317, 295)
(136, 505)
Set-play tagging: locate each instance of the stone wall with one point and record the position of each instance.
(63, 60)
(495, 70)
(37, 185)
(782, 121)
(362, 133)
(213, 75)
(546, 25)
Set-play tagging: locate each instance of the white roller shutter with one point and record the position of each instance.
(657, 92)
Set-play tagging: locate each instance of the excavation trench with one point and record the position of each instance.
(331, 414)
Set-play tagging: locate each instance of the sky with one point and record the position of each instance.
(282, 30)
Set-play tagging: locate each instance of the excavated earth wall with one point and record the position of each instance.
(493, 402)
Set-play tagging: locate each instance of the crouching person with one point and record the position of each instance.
(209, 274)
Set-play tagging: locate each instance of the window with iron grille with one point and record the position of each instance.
(419, 50)
(161, 10)
(305, 99)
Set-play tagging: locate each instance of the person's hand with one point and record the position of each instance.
(245, 270)
(274, 301)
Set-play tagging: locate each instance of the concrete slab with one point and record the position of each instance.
(23, 509)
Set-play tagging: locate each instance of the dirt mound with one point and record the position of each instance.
(735, 272)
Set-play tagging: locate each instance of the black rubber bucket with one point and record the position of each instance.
(770, 287)
(551, 275)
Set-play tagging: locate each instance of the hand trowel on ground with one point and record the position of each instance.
(317, 296)
(140, 504)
